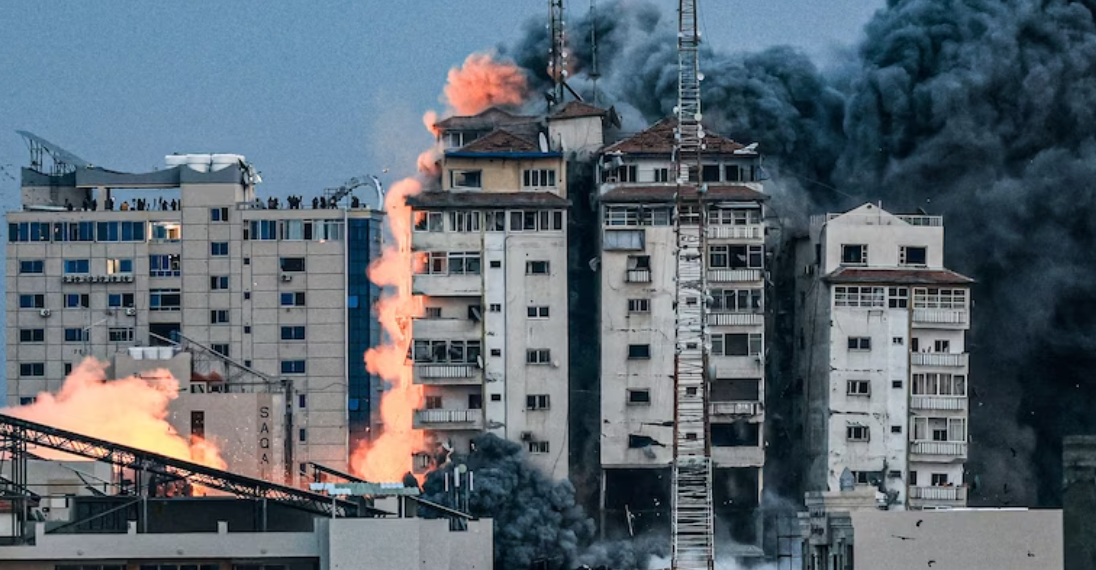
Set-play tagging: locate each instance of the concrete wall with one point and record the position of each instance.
(884, 233)
(1079, 501)
(580, 136)
(506, 174)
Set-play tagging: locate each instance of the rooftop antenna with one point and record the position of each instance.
(594, 73)
(557, 53)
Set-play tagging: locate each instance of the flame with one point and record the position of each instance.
(130, 411)
(480, 83)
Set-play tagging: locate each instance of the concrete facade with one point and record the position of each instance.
(880, 350)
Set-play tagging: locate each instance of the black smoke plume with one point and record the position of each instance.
(983, 111)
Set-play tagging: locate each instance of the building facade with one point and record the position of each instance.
(99, 262)
(881, 354)
(638, 270)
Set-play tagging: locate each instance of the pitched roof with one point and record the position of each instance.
(459, 200)
(659, 139)
(500, 140)
(898, 276)
(667, 192)
(488, 119)
(577, 109)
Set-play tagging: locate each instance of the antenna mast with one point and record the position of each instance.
(557, 56)
(692, 522)
(594, 73)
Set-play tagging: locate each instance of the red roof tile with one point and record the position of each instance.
(459, 200)
(898, 276)
(666, 193)
(576, 109)
(500, 140)
(659, 139)
(489, 119)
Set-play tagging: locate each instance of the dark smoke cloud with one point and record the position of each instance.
(981, 110)
(535, 518)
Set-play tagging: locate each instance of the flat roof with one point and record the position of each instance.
(897, 276)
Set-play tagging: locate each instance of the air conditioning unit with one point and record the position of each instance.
(45, 313)
(127, 278)
(286, 277)
(81, 278)
(67, 279)
(527, 436)
(115, 278)
(130, 311)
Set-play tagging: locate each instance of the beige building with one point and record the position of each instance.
(638, 289)
(99, 262)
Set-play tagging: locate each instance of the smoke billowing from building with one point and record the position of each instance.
(980, 111)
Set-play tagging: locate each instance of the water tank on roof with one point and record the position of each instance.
(173, 160)
(165, 352)
(136, 353)
(199, 162)
(223, 161)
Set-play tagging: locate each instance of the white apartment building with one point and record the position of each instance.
(881, 351)
(99, 262)
(637, 267)
(491, 347)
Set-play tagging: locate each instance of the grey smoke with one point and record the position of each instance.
(980, 110)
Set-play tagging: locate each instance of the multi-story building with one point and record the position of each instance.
(491, 346)
(637, 198)
(99, 262)
(881, 350)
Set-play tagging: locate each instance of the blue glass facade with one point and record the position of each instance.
(364, 245)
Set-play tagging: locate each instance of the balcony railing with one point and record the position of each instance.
(735, 232)
(938, 402)
(938, 359)
(735, 319)
(733, 275)
(446, 374)
(950, 448)
(427, 417)
(939, 493)
(940, 316)
(736, 408)
(638, 276)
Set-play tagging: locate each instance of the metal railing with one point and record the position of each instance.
(939, 359)
(733, 275)
(736, 408)
(940, 316)
(427, 371)
(447, 416)
(637, 276)
(939, 493)
(938, 402)
(735, 232)
(954, 448)
(718, 319)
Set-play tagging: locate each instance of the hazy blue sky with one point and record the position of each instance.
(313, 92)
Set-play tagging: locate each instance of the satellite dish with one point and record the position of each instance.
(543, 143)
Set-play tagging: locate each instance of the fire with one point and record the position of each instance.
(480, 83)
(130, 411)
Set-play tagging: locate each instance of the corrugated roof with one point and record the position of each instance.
(667, 193)
(659, 139)
(577, 109)
(500, 140)
(489, 119)
(898, 276)
(459, 200)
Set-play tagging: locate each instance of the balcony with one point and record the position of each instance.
(736, 232)
(738, 456)
(446, 375)
(736, 319)
(733, 275)
(739, 409)
(637, 276)
(442, 285)
(448, 419)
(958, 494)
(947, 450)
(942, 359)
(949, 403)
(949, 318)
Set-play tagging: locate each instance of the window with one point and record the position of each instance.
(292, 264)
(639, 351)
(302, 400)
(639, 397)
(736, 300)
(164, 265)
(76, 334)
(624, 240)
(221, 349)
(898, 298)
(293, 333)
(939, 479)
(218, 248)
(736, 344)
(77, 266)
(935, 298)
(639, 305)
(32, 301)
(939, 384)
(538, 356)
(464, 263)
(27, 369)
(429, 222)
(909, 255)
(432, 313)
(710, 173)
(218, 317)
(118, 300)
(120, 334)
(896, 429)
(535, 220)
(536, 267)
(218, 282)
(898, 341)
(941, 346)
(73, 231)
(496, 397)
(854, 254)
(857, 433)
(495, 307)
(537, 312)
(31, 266)
(495, 221)
(120, 231)
(537, 402)
(734, 216)
(858, 296)
(32, 335)
(496, 264)
(292, 299)
(464, 222)
(77, 301)
(116, 266)
(475, 401)
(859, 343)
(263, 230)
(896, 384)
(538, 447)
(625, 173)
(293, 367)
(167, 231)
(496, 352)
(859, 387)
(466, 178)
(302, 435)
(539, 178)
(733, 173)
(913, 478)
(662, 175)
(624, 215)
(433, 402)
(27, 400)
(218, 214)
(446, 351)
(940, 429)
(164, 300)
(28, 231)
(736, 256)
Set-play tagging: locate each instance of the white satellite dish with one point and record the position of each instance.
(543, 143)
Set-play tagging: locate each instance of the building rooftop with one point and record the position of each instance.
(486, 200)
(659, 139)
(499, 140)
(668, 192)
(486, 120)
(897, 276)
(577, 109)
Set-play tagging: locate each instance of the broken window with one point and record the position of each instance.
(736, 434)
(736, 390)
(736, 300)
(466, 178)
(736, 256)
(429, 222)
(736, 344)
